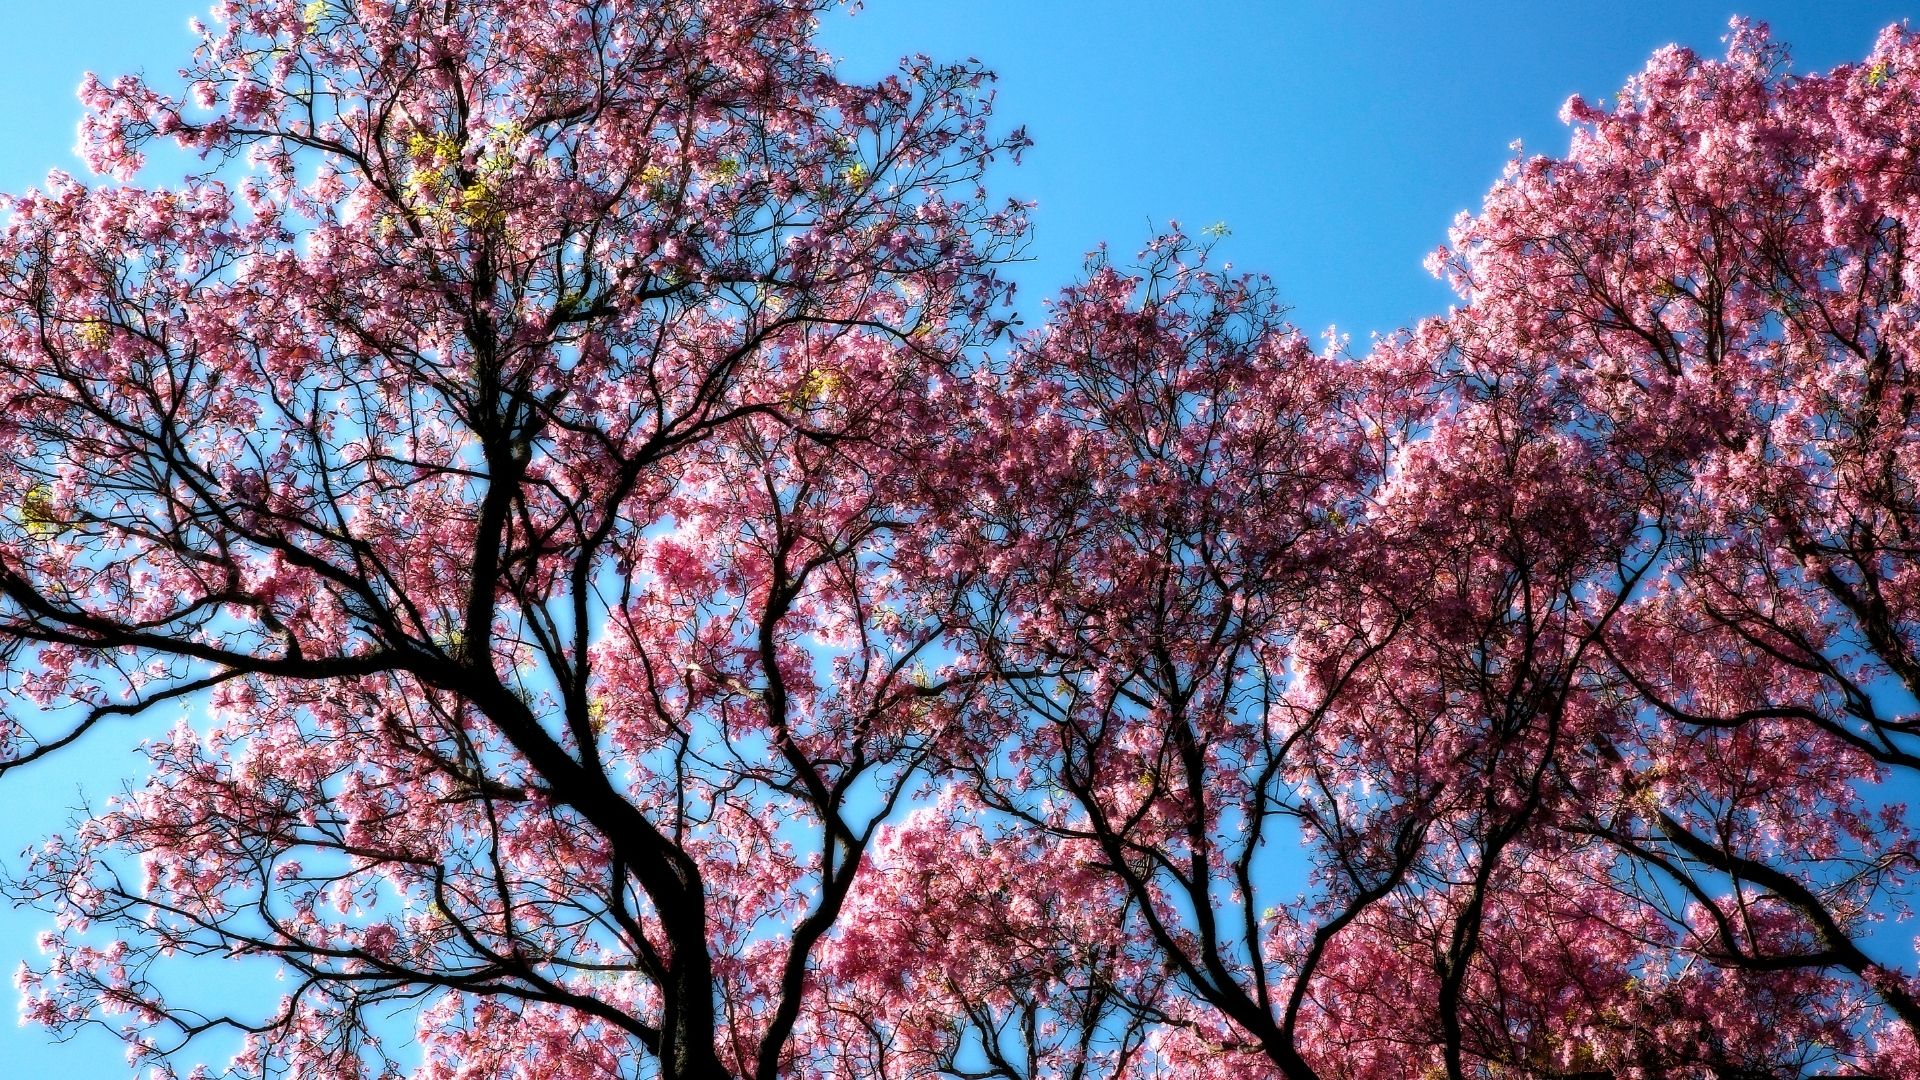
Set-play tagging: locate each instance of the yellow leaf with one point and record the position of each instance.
(819, 386)
(37, 514)
(478, 208)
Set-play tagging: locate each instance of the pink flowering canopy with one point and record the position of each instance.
(499, 442)
(633, 611)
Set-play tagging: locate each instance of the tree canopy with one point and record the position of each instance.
(635, 604)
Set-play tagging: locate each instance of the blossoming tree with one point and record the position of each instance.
(1569, 632)
(625, 618)
(1716, 283)
(497, 438)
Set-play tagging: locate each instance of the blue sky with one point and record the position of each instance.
(1336, 139)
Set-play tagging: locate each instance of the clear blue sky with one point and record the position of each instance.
(1337, 139)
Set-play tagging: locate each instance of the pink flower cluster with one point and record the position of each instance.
(645, 616)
